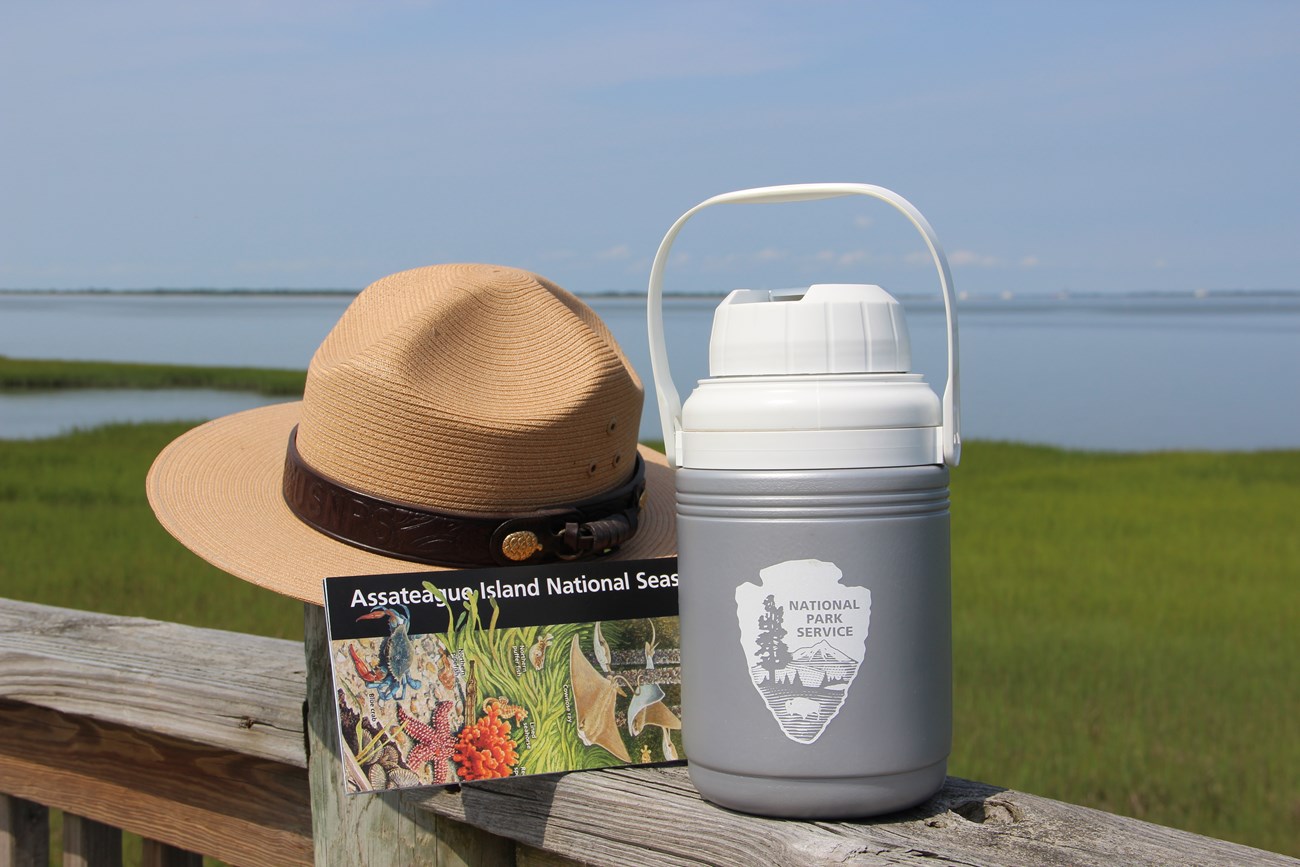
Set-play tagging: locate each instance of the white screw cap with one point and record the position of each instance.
(830, 328)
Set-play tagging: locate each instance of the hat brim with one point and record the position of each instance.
(217, 489)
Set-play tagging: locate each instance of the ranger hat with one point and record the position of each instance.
(455, 416)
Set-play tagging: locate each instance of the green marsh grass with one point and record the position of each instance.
(17, 374)
(1127, 634)
(76, 531)
(1126, 627)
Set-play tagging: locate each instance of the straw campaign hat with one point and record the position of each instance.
(455, 416)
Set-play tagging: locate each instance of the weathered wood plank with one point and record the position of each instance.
(146, 720)
(87, 843)
(653, 816)
(24, 833)
(241, 692)
(531, 856)
(240, 809)
(376, 829)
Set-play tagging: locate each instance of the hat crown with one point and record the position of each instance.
(471, 388)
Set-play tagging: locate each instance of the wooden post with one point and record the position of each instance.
(24, 833)
(155, 854)
(375, 829)
(87, 843)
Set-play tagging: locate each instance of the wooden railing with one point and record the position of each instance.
(222, 744)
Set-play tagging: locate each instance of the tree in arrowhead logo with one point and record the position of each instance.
(804, 635)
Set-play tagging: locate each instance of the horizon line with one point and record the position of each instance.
(965, 295)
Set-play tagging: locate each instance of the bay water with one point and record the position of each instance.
(1102, 372)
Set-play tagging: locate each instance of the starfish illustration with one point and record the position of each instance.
(432, 743)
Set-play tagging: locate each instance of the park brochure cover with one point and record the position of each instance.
(448, 677)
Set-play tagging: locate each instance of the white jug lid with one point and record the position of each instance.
(830, 328)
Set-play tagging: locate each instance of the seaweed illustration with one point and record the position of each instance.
(504, 674)
(560, 718)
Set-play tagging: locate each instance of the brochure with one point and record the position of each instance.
(453, 676)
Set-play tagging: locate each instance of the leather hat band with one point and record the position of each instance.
(409, 532)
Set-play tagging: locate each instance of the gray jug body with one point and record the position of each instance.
(787, 579)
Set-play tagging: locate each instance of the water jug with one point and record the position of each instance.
(813, 543)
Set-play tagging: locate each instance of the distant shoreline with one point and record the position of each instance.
(193, 291)
(1182, 296)
(26, 375)
(298, 293)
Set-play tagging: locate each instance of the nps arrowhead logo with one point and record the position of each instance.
(804, 634)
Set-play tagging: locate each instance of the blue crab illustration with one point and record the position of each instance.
(392, 675)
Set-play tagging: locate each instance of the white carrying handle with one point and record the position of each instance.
(670, 403)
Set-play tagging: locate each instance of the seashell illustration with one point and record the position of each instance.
(401, 778)
(377, 776)
(390, 757)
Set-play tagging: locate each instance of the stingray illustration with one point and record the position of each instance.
(600, 647)
(594, 697)
(650, 646)
(670, 751)
(648, 708)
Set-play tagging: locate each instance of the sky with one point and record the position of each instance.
(1055, 147)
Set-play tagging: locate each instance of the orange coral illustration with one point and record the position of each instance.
(485, 749)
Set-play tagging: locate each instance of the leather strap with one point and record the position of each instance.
(410, 532)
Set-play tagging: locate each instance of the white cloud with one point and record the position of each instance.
(843, 258)
(720, 262)
(970, 257)
(296, 266)
(862, 222)
(1029, 262)
(616, 253)
(727, 262)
